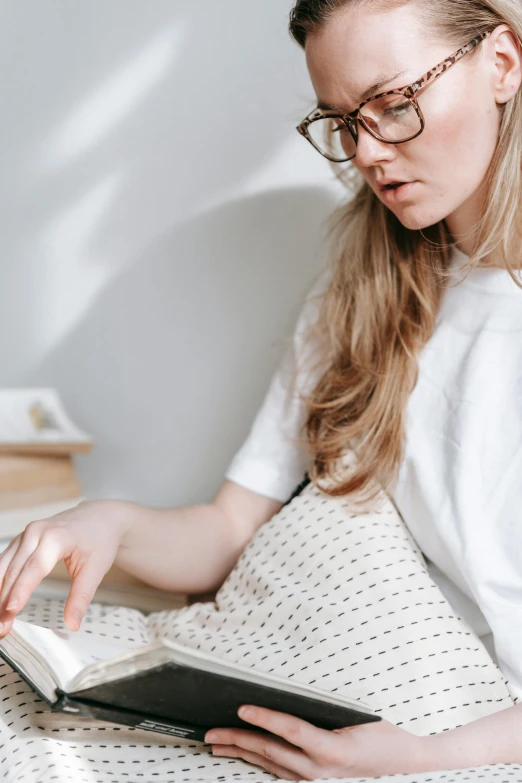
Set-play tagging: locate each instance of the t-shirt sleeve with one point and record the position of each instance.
(269, 461)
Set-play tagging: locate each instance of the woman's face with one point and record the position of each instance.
(359, 47)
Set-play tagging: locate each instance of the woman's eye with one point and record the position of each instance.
(403, 108)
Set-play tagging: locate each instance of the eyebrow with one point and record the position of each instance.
(383, 80)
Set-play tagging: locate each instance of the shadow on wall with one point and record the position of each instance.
(124, 120)
(122, 84)
(176, 353)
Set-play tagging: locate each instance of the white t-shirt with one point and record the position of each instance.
(459, 489)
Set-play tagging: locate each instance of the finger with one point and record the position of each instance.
(28, 542)
(231, 751)
(294, 730)
(12, 543)
(82, 591)
(272, 749)
(5, 560)
(31, 564)
(7, 556)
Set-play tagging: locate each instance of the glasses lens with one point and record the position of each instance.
(393, 117)
(332, 138)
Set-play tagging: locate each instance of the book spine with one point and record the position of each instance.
(138, 720)
(19, 472)
(37, 496)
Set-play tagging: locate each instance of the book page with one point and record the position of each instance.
(42, 646)
(62, 653)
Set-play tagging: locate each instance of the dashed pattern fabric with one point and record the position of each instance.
(323, 595)
(342, 600)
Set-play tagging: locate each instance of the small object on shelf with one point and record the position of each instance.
(34, 421)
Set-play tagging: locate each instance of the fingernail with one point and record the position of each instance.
(12, 605)
(209, 737)
(1, 627)
(77, 619)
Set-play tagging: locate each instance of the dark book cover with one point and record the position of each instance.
(138, 720)
(191, 701)
(186, 702)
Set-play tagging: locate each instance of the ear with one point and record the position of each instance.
(506, 53)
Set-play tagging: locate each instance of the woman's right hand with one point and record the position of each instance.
(86, 537)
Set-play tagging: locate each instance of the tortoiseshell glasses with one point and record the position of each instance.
(392, 117)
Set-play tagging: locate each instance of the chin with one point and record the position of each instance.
(415, 220)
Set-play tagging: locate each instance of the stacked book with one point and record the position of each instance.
(38, 442)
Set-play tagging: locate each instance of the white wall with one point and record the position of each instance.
(161, 221)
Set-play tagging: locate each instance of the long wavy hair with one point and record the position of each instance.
(386, 281)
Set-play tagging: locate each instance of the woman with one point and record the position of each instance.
(420, 379)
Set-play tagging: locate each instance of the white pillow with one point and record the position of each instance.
(343, 600)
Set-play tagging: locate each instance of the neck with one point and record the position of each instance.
(463, 225)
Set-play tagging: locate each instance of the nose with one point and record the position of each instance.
(371, 150)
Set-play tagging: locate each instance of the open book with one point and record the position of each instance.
(159, 685)
(35, 421)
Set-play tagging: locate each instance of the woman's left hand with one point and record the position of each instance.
(301, 751)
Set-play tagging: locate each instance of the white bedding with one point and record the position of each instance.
(362, 576)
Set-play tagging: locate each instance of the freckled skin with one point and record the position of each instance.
(461, 108)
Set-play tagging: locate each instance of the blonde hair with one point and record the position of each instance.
(387, 281)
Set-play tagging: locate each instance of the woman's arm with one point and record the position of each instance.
(189, 550)
(192, 549)
(369, 750)
(495, 739)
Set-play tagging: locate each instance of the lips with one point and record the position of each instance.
(391, 184)
(404, 191)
